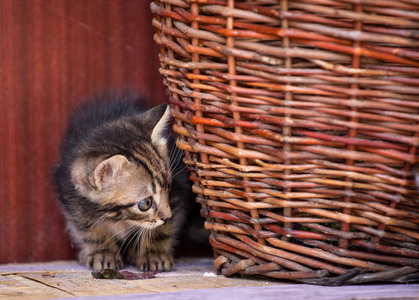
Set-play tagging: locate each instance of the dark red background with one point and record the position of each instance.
(52, 54)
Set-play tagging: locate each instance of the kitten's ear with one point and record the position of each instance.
(107, 170)
(158, 118)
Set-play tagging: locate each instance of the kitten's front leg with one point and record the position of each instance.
(156, 254)
(104, 259)
(155, 261)
(98, 251)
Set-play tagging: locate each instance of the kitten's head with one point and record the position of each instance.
(131, 188)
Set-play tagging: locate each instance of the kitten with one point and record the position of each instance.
(121, 185)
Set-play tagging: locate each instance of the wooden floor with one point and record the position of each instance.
(192, 279)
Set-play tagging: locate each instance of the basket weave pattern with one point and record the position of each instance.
(300, 126)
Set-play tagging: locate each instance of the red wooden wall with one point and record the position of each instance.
(53, 53)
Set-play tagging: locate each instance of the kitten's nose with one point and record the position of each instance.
(165, 219)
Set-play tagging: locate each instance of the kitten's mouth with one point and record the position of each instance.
(152, 224)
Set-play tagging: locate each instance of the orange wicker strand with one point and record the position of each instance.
(299, 120)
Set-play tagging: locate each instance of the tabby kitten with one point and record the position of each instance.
(121, 185)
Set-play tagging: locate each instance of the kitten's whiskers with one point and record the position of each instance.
(142, 239)
(179, 171)
(136, 243)
(115, 235)
(175, 158)
(134, 233)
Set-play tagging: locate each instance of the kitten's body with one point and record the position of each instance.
(116, 186)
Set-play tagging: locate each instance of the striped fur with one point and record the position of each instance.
(121, 185)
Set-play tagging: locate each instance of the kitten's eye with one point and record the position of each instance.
(145, 204)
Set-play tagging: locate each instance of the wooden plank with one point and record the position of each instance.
(288, 292)
(192, 279)
(19, 287)
(68, 279)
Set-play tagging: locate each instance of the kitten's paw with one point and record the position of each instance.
(101, 260)
(156, 262)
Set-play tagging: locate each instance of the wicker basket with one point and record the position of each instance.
(300, 126)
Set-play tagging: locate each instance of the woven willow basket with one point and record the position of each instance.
(300, 126)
